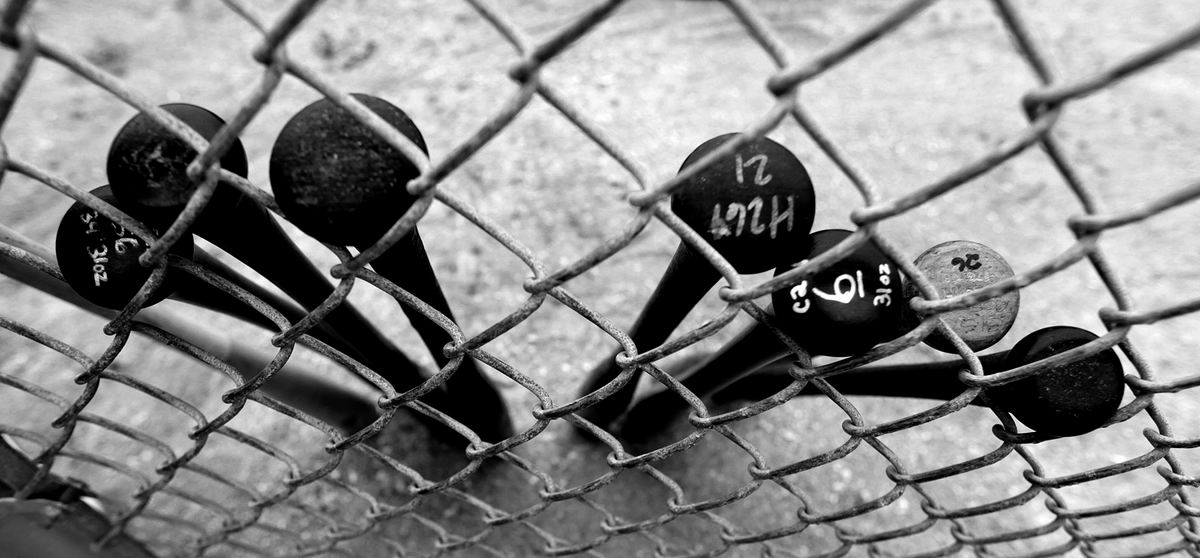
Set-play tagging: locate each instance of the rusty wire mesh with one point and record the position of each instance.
(365, 510)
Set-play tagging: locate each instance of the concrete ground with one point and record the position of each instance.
(660, 78)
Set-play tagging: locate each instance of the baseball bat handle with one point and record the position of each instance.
(295, 385)
(194, 291)
(755, 366)
(468, 395)
(686, 280)
(248, 232)
(929, 380)
(752, 348)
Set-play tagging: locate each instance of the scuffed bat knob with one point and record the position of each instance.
(336, 179)
(1066, 400)
(961, 266)
(147, 163)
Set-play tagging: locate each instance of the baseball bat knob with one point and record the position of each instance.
(749, 203)
(324, 144)
(99, 258)
(847, 308)
(1066, 400)
(147, 163)
(961, 266)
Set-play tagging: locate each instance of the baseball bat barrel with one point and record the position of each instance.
(407, 265)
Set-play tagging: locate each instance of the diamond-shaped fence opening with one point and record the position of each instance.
(1063, 136)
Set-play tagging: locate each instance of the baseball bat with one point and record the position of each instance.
(843, 310)
(929, 380)
(147, 169)
(960, 266)
(855, 304)
(1067, 400)
(83, 233)
(748, 205)
(295, 385)
(342, 184)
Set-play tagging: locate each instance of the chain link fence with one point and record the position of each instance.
(358, 498)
